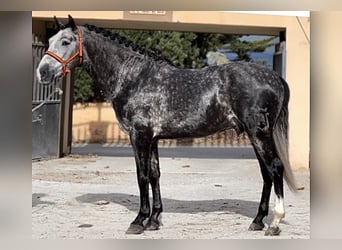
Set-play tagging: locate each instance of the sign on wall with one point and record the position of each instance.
(148, 15)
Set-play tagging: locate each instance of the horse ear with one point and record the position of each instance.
(72, 23)
(58, 24)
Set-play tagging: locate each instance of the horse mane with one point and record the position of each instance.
(115, 37)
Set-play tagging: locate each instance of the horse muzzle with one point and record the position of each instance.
(45, 75)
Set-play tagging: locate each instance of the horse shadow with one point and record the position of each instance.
(131, 202)
(36, 199)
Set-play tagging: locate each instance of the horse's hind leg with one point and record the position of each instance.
(272, 170)
(154, 221)
(141, 142)
(279, 209)
(257, 223)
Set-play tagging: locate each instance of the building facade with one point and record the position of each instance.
(292, 56)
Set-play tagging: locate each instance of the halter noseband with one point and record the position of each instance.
(78, 53)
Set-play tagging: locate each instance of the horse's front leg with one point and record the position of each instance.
(154, 221)
(141, 143)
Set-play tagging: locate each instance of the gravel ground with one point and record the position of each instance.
(96, 197)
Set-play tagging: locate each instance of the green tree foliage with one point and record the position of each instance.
(243, 48)
(212, 42)
(83, 86)
(184, 49)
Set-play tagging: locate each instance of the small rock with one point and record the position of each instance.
(102, 202)
(185, 166)
(85, 225)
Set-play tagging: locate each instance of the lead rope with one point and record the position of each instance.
(57, 90)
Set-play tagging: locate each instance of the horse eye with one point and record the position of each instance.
(65, 43)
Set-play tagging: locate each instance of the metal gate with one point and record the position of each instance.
(279, 57)
(46, 111)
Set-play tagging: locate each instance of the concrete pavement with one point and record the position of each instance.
(88, 196)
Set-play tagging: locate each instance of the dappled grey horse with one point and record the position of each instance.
(153, 99)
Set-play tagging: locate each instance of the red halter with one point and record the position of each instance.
(78, 53)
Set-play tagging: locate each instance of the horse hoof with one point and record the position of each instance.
(272, 231)
(151, 226)
(256, 227)
(135, 229)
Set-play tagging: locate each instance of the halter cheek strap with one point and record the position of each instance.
(79, 53)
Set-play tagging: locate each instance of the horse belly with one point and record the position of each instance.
(197, 123)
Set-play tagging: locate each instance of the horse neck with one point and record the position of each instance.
(110, 64)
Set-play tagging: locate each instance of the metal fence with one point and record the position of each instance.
(46, 109)
(220, 139)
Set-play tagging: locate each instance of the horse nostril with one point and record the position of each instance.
(44, 71)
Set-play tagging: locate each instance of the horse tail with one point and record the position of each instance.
(280, 138)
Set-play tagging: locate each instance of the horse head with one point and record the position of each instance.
(64, 53)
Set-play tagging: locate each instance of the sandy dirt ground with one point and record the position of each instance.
(92, 197)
